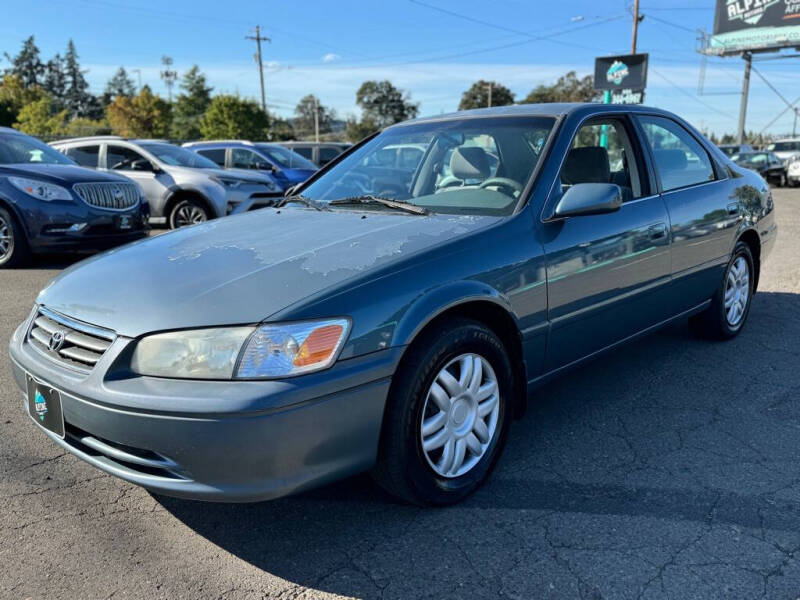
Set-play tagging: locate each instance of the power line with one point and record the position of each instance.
(692, 96)
(772, 87)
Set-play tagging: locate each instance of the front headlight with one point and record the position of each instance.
(267, 352)
(40, 189)
(283, 350)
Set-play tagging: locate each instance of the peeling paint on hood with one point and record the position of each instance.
(241, 269)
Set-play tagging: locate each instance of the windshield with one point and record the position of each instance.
(784, 146)
(19, 149)
(469, 166)
(178, 157)
(288, 159)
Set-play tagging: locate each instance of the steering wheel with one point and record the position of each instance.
(502, 182)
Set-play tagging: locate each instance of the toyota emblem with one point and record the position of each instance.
(56, 341)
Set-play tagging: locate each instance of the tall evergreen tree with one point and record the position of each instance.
(55, 80)
(77, 99)
(119, 85)
(190, 105)
(26, 66)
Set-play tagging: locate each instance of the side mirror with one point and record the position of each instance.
(589, 199)
(143, 165)
(265, 166)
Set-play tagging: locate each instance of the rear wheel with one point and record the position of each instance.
(13, 244)
(187, 212)
(726, 316)
(447, 416)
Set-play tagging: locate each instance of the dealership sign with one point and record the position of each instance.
(624, 77)
(743, 25)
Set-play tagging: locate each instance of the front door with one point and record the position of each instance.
(606, 274)
(126, 161)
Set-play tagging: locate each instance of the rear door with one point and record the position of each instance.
(606, 273)
(701, 203)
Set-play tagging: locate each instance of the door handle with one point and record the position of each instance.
(657, 231)
(733, 208)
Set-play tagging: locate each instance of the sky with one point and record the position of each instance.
(432, 49)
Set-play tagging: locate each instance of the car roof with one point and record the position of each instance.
(555, 109)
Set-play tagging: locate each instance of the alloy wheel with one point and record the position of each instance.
(737, 291)
(6, 238)
(460, 415)
(189, 214)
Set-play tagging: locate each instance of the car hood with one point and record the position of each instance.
(241, 269)
(60, 174)
(242, 174)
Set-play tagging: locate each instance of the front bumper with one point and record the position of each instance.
(235, 441)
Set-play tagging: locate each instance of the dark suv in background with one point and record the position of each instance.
(50, 204)
(286, 167)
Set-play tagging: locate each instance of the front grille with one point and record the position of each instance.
(69, 342)
(111, 196)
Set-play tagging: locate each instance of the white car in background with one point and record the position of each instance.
(181, 186)
(786, 149)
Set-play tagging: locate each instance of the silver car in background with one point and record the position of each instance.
(181, 186)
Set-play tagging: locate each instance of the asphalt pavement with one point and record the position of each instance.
(668, 469)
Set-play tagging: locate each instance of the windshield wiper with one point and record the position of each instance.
(370, 199)
(300, 200)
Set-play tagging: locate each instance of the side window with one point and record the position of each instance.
(85, 156)
(119, 158)
(327, 154)
(602, 153)
(244, 159)
(303, 151)
(680, 159)
(216, 155)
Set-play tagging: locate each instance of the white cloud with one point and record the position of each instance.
(330, 57)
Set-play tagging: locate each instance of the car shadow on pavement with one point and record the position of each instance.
(662, 439)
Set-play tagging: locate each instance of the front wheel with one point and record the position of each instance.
(13, 244)
(187, 212)
(729, 308)
(447, 416)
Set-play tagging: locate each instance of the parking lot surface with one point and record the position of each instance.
(668, 469)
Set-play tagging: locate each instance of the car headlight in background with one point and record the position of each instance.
(267, 352)
(40, 189)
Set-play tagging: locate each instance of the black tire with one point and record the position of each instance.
(14, 250)
(403, 469)
(187, 211)
(713, 323)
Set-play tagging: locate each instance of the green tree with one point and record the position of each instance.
(119, 85)
(77, 99)
(232, 117)
(14, 96)
(383, 104)
(55, 80)
(40, 118)
(568, 88)
(83, 126)
(144, 115)
(26, 65)
(305, 112)
(477, 96)
(280, 129)
(191, 105)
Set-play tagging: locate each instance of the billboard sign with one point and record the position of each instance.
(752, 25)
(627, 72)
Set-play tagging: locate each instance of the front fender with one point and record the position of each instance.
(440, 299)
(216, 199)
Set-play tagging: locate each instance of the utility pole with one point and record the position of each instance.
(636, 20)
(139, 73)
(316, 119)
(489, 89)
(168, 75)
(748, 64)
(258, 38)
(794, 127)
